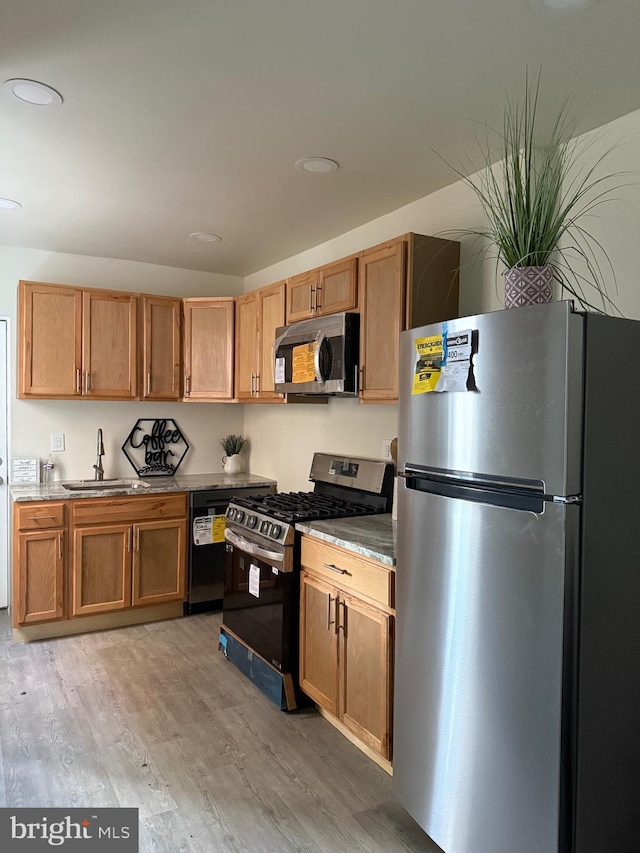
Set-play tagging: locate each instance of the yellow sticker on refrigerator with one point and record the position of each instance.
(429, 356)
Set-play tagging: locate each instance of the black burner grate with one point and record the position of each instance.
(304, 506)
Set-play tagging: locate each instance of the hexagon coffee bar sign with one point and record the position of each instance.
(155, 448)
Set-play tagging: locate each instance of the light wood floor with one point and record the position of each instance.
(153, 716)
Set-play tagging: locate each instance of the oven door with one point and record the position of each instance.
(260, 605)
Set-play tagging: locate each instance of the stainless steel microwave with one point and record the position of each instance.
(318, 356)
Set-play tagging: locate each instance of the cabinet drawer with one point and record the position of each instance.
(130, 509)
(355, 574)
(38, 516)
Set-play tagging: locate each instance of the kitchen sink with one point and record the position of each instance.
(103, 485)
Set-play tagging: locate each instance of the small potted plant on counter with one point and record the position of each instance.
(232, 445)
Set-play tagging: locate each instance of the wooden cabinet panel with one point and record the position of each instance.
(326, 290)
(50, 346)
(338, 287)
(247, 307)
(355, 574)
(38, 577)
(109, 344)
(37, 516)
(130, 509)
(208, 348)
(343, 636)
(101, 569)
(271, 315)
(159, 562)
(161, 348)
(366, 673)
(301, 296)
(381, 285)
(318, 642)
(258, 315)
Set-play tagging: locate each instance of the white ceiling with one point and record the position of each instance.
(188, 115)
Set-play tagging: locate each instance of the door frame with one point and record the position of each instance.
(5, 404)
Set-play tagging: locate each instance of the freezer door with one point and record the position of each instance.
(524, 421)
(479, 671)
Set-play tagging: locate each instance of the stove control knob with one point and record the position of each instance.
(276, 530)
(264, 527)
(231, 513)
(251, 521)
(239, 515)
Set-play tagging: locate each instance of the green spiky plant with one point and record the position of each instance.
(233, 444)
(537, 195)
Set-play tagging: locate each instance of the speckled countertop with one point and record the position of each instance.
(372, 536)
(179, 483)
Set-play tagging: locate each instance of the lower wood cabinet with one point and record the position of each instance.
(120, 565)
(346, 645)
(39, 553)
(124, 553)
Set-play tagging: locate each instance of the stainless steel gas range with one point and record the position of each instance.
(260, 626)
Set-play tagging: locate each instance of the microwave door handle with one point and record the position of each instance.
(251, 547)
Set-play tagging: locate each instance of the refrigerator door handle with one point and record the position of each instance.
(511, 497)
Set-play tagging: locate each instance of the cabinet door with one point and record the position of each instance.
(101, 569)
(161, 348)
(246, 345)
(338, 287)
(159, 562)
(381, 284)
(50, 332)
(301, 296)
(39, 577)
(271, 314)
(366, 672)
(208, 348)
(109, 356)
(319, 642)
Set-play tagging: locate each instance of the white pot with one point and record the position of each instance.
(232, 464)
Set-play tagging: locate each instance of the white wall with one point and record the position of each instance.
(32, 421)
(286, 439)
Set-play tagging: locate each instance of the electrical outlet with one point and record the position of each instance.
(57, 441)
(386, 449)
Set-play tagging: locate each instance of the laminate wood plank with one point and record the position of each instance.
(390, 826)
(155, 717)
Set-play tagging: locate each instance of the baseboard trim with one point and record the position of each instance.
(101, 622)
(363, 747)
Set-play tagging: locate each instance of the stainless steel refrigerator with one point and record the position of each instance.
(517, 696)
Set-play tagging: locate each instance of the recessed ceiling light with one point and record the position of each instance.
(205, 238)
(32, 92)
(562, 7)
(318, 165)
(9, 204)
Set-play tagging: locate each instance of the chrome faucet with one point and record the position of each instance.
(99, 469)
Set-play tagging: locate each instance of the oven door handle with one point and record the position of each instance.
(251, 547)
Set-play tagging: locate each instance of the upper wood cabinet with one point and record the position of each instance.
(258, 315)
(325, 290)
(76, 343)
(382, 279)
(208, 349)
(109, 354)
(161, 347)
(408, 282)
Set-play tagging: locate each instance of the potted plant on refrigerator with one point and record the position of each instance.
(535, 189)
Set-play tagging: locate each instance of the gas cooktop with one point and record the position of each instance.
(292, 507)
